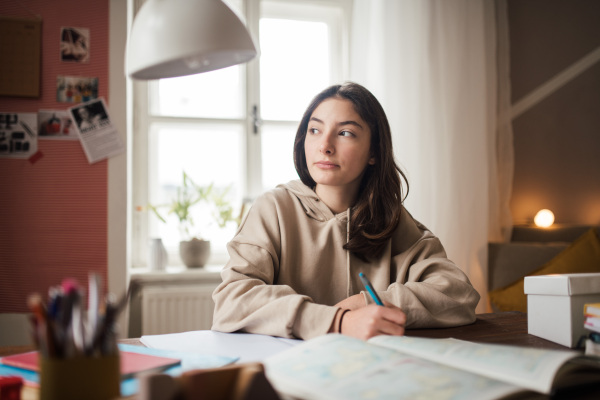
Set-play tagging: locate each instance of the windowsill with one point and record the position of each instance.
(178, 274)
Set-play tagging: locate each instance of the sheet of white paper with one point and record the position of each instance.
(248, 347)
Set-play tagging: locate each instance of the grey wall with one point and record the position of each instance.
(557, 142)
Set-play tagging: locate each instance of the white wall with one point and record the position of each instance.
(118, 203)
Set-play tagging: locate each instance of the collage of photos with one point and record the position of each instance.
(84, 118)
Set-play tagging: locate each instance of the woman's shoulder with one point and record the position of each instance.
(283, 193)
(410, 231)
(283, 197)
(272, 208)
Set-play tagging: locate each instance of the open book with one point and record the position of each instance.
(340, 367)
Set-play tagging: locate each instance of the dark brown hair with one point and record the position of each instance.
(376, 214)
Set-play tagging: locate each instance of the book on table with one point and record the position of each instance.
(592, 323)
(341, 367)
(133, 360)
(592, 309)
(591, 315)
(130, 363)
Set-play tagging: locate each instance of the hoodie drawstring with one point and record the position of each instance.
(348, 255)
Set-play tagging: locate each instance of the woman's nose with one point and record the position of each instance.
(327, 146)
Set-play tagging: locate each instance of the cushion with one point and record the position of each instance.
(582, 256)
(508, 262)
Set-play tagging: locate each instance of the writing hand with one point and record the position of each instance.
(373, 320)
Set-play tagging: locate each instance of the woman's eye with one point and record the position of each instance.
(313, 131)
(346, 133)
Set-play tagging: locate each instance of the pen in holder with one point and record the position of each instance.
(78, 352)
(76, 378)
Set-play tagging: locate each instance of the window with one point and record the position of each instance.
(233, 128)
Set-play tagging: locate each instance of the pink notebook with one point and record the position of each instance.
(131, 363)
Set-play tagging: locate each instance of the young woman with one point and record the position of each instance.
(295, 261)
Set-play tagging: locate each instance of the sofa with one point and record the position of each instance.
(532, 249)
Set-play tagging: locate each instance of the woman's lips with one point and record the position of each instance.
(326, 165)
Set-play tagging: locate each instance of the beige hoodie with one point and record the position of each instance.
(288, 269)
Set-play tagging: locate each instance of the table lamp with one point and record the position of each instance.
(544, 218)
(172, 38)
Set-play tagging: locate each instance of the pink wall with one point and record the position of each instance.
(53, 212)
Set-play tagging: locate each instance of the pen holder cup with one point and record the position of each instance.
(90, 378)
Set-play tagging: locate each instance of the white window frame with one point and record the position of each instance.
(339, 18)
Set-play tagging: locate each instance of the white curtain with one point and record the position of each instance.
(501, 221)
(432, 64)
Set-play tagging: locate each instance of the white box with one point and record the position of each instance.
(555, 305)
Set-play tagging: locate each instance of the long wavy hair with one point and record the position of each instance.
(376, 213)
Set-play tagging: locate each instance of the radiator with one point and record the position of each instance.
(176, 308)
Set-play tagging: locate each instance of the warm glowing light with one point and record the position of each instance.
(544, 218)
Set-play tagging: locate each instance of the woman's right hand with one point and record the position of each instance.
(373, 320)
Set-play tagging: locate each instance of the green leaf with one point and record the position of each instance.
(190, 194)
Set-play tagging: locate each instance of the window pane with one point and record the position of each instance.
(294, 66)
(198, 123)
(208, 153)
(215, 94)
(277, 155)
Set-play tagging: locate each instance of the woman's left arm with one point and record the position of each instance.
(429, 288)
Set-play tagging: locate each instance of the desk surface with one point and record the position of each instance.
(502, 328)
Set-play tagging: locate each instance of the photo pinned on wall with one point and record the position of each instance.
(18, 136)
(76, 89)
(99, 137)
(75, 44)
(56, 124)
(90, 116)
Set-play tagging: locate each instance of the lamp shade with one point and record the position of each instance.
(182, 37)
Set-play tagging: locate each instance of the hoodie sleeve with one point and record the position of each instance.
(249, 299)
(430, 289)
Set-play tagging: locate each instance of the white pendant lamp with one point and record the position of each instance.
(182, 37)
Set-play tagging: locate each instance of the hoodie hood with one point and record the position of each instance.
(311, 202)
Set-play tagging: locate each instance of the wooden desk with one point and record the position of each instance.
(501, 328)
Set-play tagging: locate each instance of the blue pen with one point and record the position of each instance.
(370, 289)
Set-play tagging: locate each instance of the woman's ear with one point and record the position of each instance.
(372, 161)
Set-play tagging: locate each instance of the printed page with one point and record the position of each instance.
(523, 366)
(340, 367)
(98, 135)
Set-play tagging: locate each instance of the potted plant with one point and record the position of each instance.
(193, 249)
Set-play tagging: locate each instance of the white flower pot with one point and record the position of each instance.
(194, 253)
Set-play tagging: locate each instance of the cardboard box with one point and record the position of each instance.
(555, 305)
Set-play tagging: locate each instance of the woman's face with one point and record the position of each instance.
(84, 113)
(337, 145)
